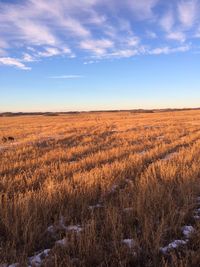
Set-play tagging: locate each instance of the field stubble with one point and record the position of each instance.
(101, 189)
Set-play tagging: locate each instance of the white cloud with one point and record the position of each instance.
(98, 28)
(167, 21)
(188, 11)
(176, 36)
(133, 41)
(66, 77)
(53, 51)
(3, 44)
(28, 58)
(143, 8)
(14, 62)
(124, 53)
(168, 50)
(90, 62)
(98, 47)
(35, 33)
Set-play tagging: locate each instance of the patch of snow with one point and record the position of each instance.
(51, 229)
(129, 182)
(197, 212)
(196, 217)
(173, 245)
(61, 226)
(74, 228)
(187, 230)
(129, 242)
(37, 259)
(62, 242)
(97, 206)
(62, 223)
(114, 187)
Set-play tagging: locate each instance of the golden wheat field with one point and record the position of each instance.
(100, 189)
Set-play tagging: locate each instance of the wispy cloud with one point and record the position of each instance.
(167, 20)
(14, 62)
(98, 47)
(144, 8)
(177, 36)
(53, 51)
(71, 76)
(169, 50)
(33, 30)
(188, 11)
(28, 58)
(90, 62)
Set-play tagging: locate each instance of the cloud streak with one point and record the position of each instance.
(13, 62)
(71, 76)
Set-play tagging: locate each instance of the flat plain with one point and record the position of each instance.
(100, 189)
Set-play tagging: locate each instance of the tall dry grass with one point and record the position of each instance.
(141, 169)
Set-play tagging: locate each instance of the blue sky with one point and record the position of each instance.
(97, 54)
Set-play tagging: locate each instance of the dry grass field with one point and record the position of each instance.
(100, 189)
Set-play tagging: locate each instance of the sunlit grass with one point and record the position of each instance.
(120, 176)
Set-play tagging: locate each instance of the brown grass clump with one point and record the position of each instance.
(100, 189)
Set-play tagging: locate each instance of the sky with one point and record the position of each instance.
(66, 55)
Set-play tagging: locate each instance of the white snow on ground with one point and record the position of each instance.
(37, 259)
(61, 223)
(173, 245)
(129, 242)
(197, 211)
(114, 188)
(74, 228)
(62, 242)
(97, 206)
(61, 226)
(187, 230)
(51, 229)
(129, 182)
(197, 214)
